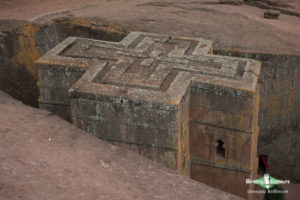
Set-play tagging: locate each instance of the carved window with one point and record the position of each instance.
(220, 149)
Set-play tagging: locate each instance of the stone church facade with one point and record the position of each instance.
(167, 98)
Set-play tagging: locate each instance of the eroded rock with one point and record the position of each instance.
(271, 14)
(233, 2)
(278, 2)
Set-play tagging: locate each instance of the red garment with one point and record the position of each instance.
(264, 159)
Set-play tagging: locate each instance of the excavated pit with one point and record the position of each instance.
(23, 42)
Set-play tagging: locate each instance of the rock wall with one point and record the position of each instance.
(18, 53)
(22, 43)
(279, 114)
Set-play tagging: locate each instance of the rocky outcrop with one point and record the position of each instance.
(278, 2)
(271, 14)
(232, 2)
(19, 51)
(23, 42)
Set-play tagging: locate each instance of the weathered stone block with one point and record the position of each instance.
(228, 179)
(221, 118)
(237, 144)
(167, 157)
(165, 97)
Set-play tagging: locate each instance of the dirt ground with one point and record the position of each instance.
(45, 157)
(229, 26)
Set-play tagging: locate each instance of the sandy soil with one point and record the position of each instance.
(45, 157)
(229, 26)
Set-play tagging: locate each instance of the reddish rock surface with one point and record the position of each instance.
(45, 157)
(229, 26)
